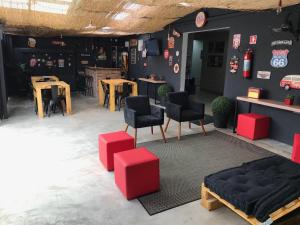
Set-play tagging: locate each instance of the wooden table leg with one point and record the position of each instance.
(68, 100)
(100, 93)
(39, 102)
(112, 102)
(135, 89)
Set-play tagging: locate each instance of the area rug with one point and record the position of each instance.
(185, 163)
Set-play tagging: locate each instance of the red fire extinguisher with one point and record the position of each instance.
(247, 63)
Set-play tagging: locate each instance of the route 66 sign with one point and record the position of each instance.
(279, 59)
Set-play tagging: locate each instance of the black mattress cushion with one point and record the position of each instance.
(252, 187)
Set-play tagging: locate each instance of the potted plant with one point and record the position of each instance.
(289, 99)
(162, 92)
(221, 108)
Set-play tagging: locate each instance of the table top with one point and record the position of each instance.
(48, 84)
(117, 81)
(153, 81)
(270, 103)
(37, 78)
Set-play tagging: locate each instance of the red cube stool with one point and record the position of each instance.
(111, 143)
(136, 172)
(253, 126)
(296, 149)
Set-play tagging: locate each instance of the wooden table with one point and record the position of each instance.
(113, 83)
(154, 83)
(263, 102)
(37, 91)
(37, 78)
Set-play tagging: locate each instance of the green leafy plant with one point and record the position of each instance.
(163, 90)
(221, 105)
(289, 96)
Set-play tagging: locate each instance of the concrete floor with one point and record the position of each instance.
(50, 173)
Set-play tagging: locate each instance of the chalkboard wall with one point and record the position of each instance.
(284, 124)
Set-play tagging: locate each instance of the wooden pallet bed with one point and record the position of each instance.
(212, 201)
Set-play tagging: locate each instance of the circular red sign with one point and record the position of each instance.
(200, 19)
(176, 68)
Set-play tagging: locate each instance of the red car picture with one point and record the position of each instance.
(290, 81)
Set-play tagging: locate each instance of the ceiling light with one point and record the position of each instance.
(50, 7)
(185, 4)
(120, 16)
(132, 6)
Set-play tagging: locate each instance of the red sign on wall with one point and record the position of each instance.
(253, 40)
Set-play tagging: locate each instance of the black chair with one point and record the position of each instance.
(182, 109)
(138, 113)
(105, 88)
(57, 101)
(126, 90)
(89, 85)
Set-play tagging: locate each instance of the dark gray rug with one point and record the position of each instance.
(185, 163)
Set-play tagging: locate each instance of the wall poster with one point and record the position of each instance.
(236, 42)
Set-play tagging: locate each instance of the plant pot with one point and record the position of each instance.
(288, 101)
(220, 120)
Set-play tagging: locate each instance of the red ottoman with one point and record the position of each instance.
(111, 143)
(296, 149)
(136, 172)
(253, 126)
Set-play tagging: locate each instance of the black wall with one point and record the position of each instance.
(3, 98)
(284, 124)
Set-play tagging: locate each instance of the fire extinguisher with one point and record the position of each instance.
(248, 55)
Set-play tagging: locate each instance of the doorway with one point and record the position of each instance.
(206, 65)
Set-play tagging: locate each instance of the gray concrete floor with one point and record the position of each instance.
(50, 172)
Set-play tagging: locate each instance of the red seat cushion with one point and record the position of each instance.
(253, 126)
(136, 172)
(296, 149)
(111, 143)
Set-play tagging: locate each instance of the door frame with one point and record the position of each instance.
(185, 39)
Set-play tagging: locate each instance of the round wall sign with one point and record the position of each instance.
(176, 68)
(200, 19)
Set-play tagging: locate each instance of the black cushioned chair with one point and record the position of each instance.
(138, 113)
(182, 109)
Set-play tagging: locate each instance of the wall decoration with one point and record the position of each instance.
(85, 54)
(253, 39)
(140, 45)
(290, 82)
(84, 62)
(31, 43)
(127, 44)
(177, 53)
(279, 58)
(133, 56)
(236, 42)
(101, 54)
(266, 75)
(61, 63)
(282, 42)
(201, 19)
(170, 60)
(144, 53)
(176, 33)
(171, 42)
(166, 54)
(234, 64)
(176, 68)
(133, 42)
(32, 62)
(49, 63)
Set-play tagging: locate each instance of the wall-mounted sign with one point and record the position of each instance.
(171, 42)
(176, 33)
(266, 75)
(201, 19)
(290, 82)
(133, 56)
(282, 42)
(61, 63)
(127, 44)
(177, 53)
(234, 64)
(279, 58)
(236, 41)
(32, 62)
(58, 42)
(176, 68)
(170, 60)
(31, 42)
(166, 54)
(140, 45)
(253, 39)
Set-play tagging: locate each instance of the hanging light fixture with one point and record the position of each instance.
(279, 8)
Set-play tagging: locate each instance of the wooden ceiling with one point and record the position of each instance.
(109, 17)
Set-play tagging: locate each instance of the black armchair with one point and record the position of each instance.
(182, 109)
(138, 113)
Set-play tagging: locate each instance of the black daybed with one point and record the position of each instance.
(261, 191)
